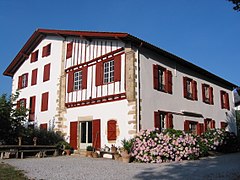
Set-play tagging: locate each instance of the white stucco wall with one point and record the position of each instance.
(153, 100)
(117, 110)
(41, 87)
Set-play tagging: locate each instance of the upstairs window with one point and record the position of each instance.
(224, 100)
(46, 72)
(207, 94)
(34, 77)
(46, 51)
(190, 88)
(23, 81)
(108, 72)
(163, 120)
(78, 80)
(69, 50)
(34, 56)
(162, 79)
(21, 103)
(44, 105)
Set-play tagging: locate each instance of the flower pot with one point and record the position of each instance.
(116, 156)
(89, 153)
(94, 154)
(125, 157)
(113, 149)
(67, 151)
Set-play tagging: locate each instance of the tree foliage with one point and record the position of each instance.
(11, 119)
(236, 4)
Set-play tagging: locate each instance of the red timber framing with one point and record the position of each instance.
(73, 134)
(103, 99)
(95, 94)
(96, 134)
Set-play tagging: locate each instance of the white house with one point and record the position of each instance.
(98, 88)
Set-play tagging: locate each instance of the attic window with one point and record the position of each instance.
(46, 50)
(34, 56)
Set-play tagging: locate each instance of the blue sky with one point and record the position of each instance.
(204, 32)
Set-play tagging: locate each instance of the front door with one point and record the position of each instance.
(85, 134)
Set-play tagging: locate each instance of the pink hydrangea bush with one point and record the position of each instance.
(214, 138)
(151, 146)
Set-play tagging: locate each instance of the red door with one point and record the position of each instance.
(96, 134)
(73, 134)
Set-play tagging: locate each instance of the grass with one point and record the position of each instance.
(8, 172)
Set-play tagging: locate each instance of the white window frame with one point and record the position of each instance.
(77, 80)
(108, 72)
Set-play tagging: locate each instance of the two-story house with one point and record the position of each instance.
(98, 88)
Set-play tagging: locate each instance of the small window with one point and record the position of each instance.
(163, 120)
(190, 126)
(223, 125)
(78, 80)
(22, 81)
(69, 50)
(46, 50)
(34, 77)
(112, 130)
(108, 72)
(44, 105)
(162, 79)
(46, 72)
(34, 56)
(207, 94)
(190, 88)
(224, 100)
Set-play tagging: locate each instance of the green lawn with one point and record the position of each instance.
(8, 172)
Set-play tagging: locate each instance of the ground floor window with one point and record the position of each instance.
(163, 120)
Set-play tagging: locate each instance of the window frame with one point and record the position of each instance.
(209, 89)
(46, 50)
(108, 71)
(224, 97)
(77, 84)
(34, 56)
(190, 91)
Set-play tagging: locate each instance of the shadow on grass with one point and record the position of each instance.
(220, 167)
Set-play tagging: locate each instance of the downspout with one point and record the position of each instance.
(138, 91)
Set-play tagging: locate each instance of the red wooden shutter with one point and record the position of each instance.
(198, 129)
(32, 108)
(222, 96)
(212, 124)
(34, 77)
(24, 102)
(46, 50)
(43, 126)
(84, 77)
(99, 73)
(73, 134)
(169, 123)
(169, 82)
(44, 105)
(96, 133)
(194, 88)
(46, 73)
(157, 123)
(185, 87)
(112, 130)
(117, 68)
(227, 101)
(34, 56)
(19, 82)
(223, 125)
(186, 125)
(211, 95)
(70, 81)
(203, 93)
(18, 104)
(69, 50)
(205, 124)
(155, 77)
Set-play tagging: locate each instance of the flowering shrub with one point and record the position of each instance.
(151, 146)
(214, 138)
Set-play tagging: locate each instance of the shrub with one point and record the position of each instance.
(89, 148)
(127, 144)
(150, 146)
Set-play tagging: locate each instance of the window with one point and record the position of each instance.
(78, 80)
(43, 126)
(163, 120)
(209, 124)
(46, 72)
(34, 56)
(69, 50)
(224, 100)
(34, 77)
(32, 108)
(223, 125)
(112, 130)
(162, 79)
(21, 103)
(193, 127)
(46, 50)
(44, 105)
(108, 71)
(207, 94)
(190, 88)
(23, 81)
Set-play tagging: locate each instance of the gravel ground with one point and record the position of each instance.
(75, 167)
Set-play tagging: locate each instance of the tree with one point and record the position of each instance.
(238, 122)
(11, 119)
(236, 4)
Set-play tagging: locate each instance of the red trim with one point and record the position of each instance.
(103, 99)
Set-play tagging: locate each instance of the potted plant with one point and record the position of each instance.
(64, 147)
(127, 147)
(89, 151)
